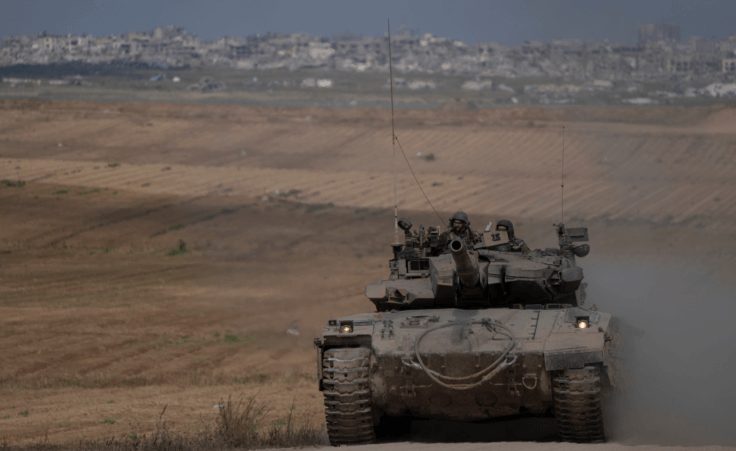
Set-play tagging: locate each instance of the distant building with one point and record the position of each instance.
(347, 36)
(706, 45)
(728, 43)
(659, 57)
(649, 32)
(728, 65)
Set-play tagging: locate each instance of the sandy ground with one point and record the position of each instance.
(101, 328)
(524, 446)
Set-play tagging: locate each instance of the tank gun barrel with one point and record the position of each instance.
(466, 265)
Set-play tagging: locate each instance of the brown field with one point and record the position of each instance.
(100, 327)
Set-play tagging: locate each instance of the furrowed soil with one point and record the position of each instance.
(173, 255)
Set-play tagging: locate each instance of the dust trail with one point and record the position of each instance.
(678, 351)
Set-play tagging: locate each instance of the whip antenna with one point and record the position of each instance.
(394, 141)
(393, 136)
(562, 180)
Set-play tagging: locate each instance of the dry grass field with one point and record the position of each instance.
(286, 214)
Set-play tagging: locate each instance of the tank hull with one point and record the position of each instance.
(457, 343)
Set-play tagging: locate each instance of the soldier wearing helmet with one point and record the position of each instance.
(459, 229)
(514, 244)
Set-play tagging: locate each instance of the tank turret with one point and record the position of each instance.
(473, 275)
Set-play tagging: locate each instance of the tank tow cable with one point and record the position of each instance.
(501, 363)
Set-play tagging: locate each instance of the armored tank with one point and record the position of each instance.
(472, 332)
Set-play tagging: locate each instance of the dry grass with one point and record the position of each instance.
(241, 424)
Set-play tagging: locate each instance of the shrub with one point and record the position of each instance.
(182, 249)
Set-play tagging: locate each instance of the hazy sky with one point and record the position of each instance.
(509, 22)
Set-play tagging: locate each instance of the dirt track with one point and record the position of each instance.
(525, 446)
(99, 323)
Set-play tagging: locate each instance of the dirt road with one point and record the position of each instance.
(524, 446)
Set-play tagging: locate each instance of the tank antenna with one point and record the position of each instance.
(562, 180)
(394, 141)
(393, 136)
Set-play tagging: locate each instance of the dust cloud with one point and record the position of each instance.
(678, 349)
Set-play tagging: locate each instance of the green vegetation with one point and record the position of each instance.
(61, 191)
(113, 165)
(23, 413)
(108, 421)
(230, 338)
(182, 249)
(176, 227)
(18, 184)
(82, 193)
(146, 184)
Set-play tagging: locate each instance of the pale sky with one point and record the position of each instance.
(509, 22)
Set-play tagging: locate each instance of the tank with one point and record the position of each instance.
(469, 332)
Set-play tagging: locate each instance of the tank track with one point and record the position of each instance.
(578, 407)
(347, 396)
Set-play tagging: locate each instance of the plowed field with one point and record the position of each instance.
(285, 215)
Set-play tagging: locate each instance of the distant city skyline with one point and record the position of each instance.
(506, 22)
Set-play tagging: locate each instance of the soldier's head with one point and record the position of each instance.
(459, 222)
(507, 226)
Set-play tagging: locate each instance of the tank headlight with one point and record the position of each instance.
(582, 322)
(346, 329)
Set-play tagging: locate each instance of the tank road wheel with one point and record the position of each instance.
(578, 409)
(348, 396)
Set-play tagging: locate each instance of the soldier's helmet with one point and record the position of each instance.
(460, 216)
(509, 227)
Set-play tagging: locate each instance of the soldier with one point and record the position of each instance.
(514, 244)
(459, 229)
